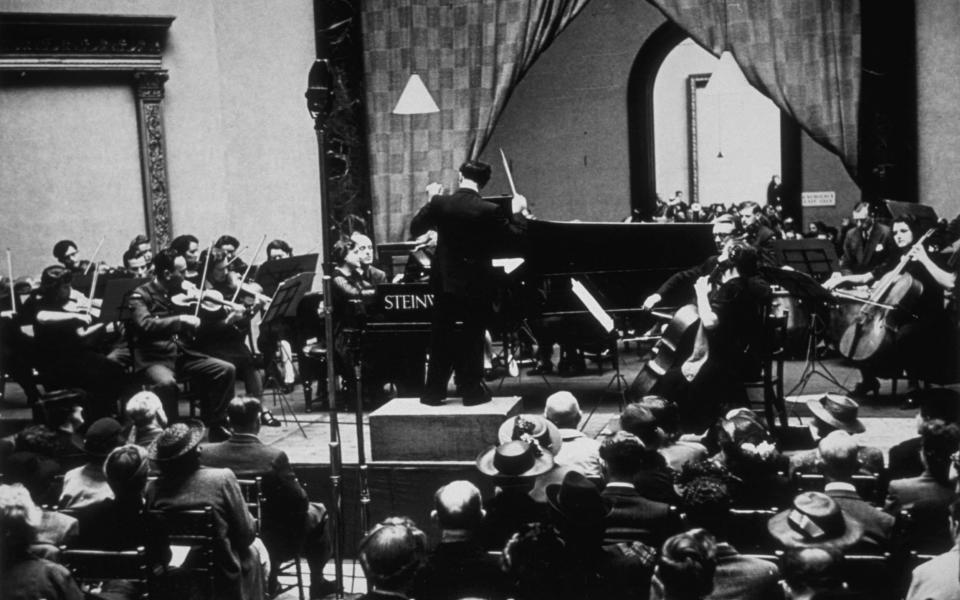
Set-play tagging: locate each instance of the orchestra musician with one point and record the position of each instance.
(731, 302)
(65, 251)
(135, 264)
(364, 246)
(161, 354)
(916, 346)
(69, 343)
(349, 290)
(461, 277)
(867, 244)
(757, 233)
(141, 243)
(230, 245)
(223, 333)
(188, 246)
(278, 249)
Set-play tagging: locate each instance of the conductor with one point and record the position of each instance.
(468, 229)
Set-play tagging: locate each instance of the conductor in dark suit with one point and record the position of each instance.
(469, 229)
(291, 524)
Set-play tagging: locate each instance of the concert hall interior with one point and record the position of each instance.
(480, 299)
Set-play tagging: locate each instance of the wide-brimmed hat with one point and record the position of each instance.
(102, 437)
(815, 520)
(838, 411)
(176, 440)
(536, 427)
(577, 498)
(515, 458)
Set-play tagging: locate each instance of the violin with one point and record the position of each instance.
(210, 303)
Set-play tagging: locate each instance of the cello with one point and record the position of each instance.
(873, 329)
(673, 347)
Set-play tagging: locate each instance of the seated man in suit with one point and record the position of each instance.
(578, 452)
(368, 270)
(706, 504)
(832, 412)
(838, 451)
(631, 516)
(459, 566)
(939, 579)
(291, 524)
(935, 403)
(928, 496)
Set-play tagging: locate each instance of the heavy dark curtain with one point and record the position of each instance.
(804, 55)
(470, 54)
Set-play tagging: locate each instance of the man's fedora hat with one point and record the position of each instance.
(814, 520)
(577, 498)
(536, 427)
(176, 440)
(102, 437)
(838, 411)
(515, 458)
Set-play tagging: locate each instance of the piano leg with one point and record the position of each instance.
(307, 395)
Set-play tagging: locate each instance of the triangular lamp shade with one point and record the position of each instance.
(415, 99)
(727, 78)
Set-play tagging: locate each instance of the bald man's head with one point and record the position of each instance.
(458, 505)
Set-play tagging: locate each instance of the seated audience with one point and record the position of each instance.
(63, 414)
(145, 410)
(391, 556)
(538, 430)
(578, 452)
(25, 576)
(838, 451)
(631, 517)
(654, 480)
(87, 485)
(815, 520)
(32, 463)
(675, 451)
(939, 578)
(832, 412)
(513, 466)
(291, 523)
(459, 566)
(928, 496)
(810, 573)
(750, 453)
(184, 485)
(706, 504)
(38, 476)
(536, 560)
(686, 567)
(935, 403)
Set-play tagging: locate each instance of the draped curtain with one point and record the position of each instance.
(470, 54)
(803, 54)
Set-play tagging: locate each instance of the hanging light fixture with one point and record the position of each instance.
(415, 99)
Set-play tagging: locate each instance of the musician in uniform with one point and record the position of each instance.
(161, 356)
(364, 248)
(467, 227)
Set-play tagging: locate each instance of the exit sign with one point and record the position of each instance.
(818, 199)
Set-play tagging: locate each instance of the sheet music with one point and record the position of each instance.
(605, 320)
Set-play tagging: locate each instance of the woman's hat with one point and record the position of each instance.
(814, 520)
(838, 411)
(102, 437)
(515, 458)
(176, 440)
(533, 426)
(576, 498)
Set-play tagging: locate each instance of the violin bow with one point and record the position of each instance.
(249, 266)
(93, 292)
(203, 279)
(13, 294)
(237, 254)
(506, 168)
(93, 259)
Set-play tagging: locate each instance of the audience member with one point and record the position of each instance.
(87, 485)
(459, 566)
(706, 504)
(513, 466)
(183, 485)
(675, 451)
(537, 562)
(577, 452)
(291, 524)
(934, 403)
(391, 555)
(31, 463)
(145, 410)
(750, 453)
(25, 576)
(939, 578)
(838, 451)
(810, 573)
(536, 429)
(832, 412)
(63, 413)
(815, 520)
(631, 516)
(654, 480)
(686, 568)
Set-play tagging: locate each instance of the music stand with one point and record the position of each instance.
(813, 256)
(284, 304)
(113, 307)
(273, 272)
(606, 322)
(805, 288)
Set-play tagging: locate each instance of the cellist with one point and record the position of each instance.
(914, 342)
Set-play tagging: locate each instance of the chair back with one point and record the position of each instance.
(252, 491)
(747, 531)
(91, 568)
(872, 488)
(194, 532)
(872, 575)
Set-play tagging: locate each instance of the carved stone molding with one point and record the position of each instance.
(131, 47)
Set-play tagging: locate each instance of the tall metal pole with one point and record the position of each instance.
(319, 99)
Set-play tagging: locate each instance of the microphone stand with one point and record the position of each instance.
(361, 450)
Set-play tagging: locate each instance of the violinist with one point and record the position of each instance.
(188, 246)
(65, 251)
(161, 356)
(135, 264)
(364, 247)
(278, 249)
(141, 244)
(230, 245)
(69, 343)
(224, 330)
(915, 342)
(731, 302)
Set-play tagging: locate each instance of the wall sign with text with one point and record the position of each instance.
(808, 199)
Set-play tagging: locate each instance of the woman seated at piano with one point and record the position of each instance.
(71, 348)
(919, 343)
(349, 290)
